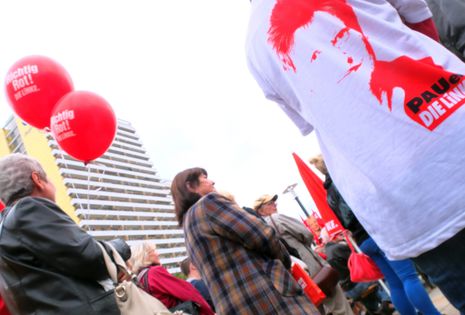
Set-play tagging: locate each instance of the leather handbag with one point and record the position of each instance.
(327, 279)
(361, 267)
(131, 299)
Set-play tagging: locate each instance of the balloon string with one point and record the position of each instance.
(88, 191)
(72, 183)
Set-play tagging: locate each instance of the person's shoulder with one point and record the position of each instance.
(37, 201)
(30, 205)
(286, 218)
(215, 200)
(159, 271)
(27, 211)
(215, 196)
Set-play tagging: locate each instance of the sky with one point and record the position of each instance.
(176, 70)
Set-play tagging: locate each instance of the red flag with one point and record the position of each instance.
(318, 192)
(2, 206)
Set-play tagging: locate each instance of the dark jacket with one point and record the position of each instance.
(337, 256)
(202, 288)
(343, 212)
(449, 17)
(49, 264)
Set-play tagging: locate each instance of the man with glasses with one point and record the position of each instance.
(296, 235)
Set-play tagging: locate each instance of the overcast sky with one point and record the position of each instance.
(177, 71)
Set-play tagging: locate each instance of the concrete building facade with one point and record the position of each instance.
(118, 195)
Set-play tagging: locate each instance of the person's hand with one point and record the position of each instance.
(123, 275)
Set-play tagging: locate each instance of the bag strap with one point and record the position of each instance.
(349, 241)
(115, 264)
(144, 275)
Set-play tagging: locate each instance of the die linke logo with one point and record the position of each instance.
(436, 103)
(60, 124)
(431, 93)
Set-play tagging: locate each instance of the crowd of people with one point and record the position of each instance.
(385, 100)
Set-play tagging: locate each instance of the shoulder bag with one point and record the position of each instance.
(131, 299)
(361, 267)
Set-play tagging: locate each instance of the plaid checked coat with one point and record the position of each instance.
(241, 260)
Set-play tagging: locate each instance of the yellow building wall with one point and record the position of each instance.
(35, 142)
(4, 149)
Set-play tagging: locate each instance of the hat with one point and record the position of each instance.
(262, 200)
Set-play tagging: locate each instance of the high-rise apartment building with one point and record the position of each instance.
(117, 195)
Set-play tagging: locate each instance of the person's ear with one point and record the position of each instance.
(37, 180)
(192, 268)
(191, 187)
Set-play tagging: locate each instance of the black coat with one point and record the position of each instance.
(343, 212)
(449, 18)
(337, 255)
(49, 264)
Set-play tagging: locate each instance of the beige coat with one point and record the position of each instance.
(299, 237)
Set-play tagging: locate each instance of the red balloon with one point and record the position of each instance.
(34, 85)
(84, 125)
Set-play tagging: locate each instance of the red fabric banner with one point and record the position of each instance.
(318, 193)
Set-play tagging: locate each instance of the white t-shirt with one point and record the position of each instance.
(385, 104)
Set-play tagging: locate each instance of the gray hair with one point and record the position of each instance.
(15, 176)
(139, 256)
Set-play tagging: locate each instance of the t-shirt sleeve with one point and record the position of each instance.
(270, 93)
(412, 11)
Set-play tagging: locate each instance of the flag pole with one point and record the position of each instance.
(290, 189)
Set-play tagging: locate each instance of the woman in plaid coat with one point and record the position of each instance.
(240, 257)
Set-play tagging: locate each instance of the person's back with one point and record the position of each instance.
(200, 285)
(48, 263)
(46, 280)
(374, 140)
(193, 277)
(243, 267)
(173, 292)
(386, 103)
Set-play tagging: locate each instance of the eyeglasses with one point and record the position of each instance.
(269, 202)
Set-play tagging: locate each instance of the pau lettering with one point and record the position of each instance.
(437, 90)
(435, 104)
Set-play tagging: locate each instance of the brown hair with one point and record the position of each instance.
(319, 163)
(184, 198)
(184, 265)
